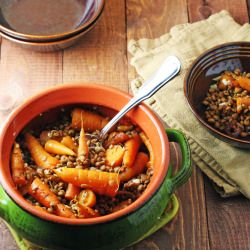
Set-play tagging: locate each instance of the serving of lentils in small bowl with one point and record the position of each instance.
(228, 103)
(217, 88)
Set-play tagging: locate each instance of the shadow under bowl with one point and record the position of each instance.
(47, 20)
(213, 62)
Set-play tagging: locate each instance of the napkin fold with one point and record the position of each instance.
(226, 166)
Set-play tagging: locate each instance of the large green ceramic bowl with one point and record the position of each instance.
(117, 230)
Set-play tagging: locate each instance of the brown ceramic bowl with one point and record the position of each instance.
(47, 20)
(199, 77)
(49, 46)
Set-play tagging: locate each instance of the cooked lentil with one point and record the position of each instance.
(224, 109)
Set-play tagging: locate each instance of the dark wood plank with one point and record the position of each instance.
(33, 71)
(101, 55)
(145, 19)
(151, 19)
(228, 222)
(200, 9)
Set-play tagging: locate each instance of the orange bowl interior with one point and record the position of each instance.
(83, 94)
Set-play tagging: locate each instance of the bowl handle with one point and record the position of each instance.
(3, 203)
(185, 170)
(168, 214)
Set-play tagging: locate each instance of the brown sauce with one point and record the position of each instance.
(43, 17)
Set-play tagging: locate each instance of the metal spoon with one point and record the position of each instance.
(170, 67)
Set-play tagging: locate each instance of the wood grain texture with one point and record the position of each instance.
(227, 218)
(151, 19)
(202, 9)
(101, 55)
(32, 71)
(229, 223)
(146, 19)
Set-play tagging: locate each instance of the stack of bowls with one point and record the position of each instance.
(48, 25)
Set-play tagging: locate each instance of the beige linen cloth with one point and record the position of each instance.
(226, 166)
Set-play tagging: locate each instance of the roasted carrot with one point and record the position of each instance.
(83, 146)
(55, 147)
(137, 168)
(68, 142)
(244, 82)
(100, 182)
(89, 120)
(131, 150)
(63, 211)
(72, 191)
(42, 193)
(87, 198)
(17, 166)
(116, 138)
(240, 101)
(147, 143)
(227, 79)
(40, 209)
(85, 212)
(114, 155)
(39, 155)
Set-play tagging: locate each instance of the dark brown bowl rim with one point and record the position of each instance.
(48, 43)
(187, 75)
(33, 38)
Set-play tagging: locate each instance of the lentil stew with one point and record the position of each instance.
(227, 103)
(63, 169)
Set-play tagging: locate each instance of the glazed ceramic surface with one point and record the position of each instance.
(199, 77)
(52, 45)
(47, 20)
(115, 230)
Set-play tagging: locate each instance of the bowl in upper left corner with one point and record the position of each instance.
(47, 20)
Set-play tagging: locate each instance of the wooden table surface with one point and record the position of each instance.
(205, 221)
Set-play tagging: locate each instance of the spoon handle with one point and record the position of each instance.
(170, 67)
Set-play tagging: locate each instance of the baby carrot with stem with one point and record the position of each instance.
(40, 156)
(137, 168)
(103, 183)
(88, 120)
(17, 166)
(83, 146)
(131, 150)
(55, 147)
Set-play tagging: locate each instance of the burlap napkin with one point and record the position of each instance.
(228, 167)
